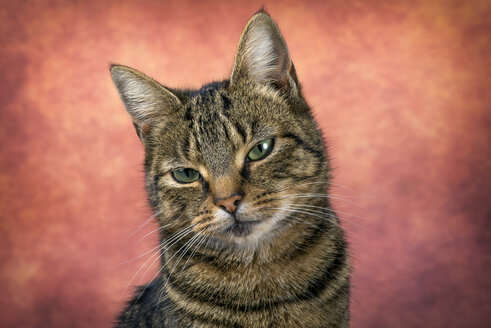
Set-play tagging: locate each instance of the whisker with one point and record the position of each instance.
(328, 210)
(194, 251)
(141, 255)
(145, 223)
(189, 229)
(339, 185)
(308, 212)
(318, 214)
(188, 245)
(298, 220)
(317, 182)
(151, 232)
(323, 208)
(135, 258)
(203, 238)
(313, 195)
(294, 210)
(300, 185)
(156, 253)
(141, 268)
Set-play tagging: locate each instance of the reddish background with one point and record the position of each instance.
(401, 90)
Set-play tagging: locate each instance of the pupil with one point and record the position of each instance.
(260, 147)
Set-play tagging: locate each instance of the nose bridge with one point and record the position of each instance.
(226, 186)
(224, 177)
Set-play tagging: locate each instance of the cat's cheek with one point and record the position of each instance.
(310, 165)
(213, 222)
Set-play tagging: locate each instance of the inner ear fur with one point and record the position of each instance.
(145, 100)
(263, 56)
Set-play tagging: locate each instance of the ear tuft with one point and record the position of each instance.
(261, 10)
(145, 100)
(263, 56)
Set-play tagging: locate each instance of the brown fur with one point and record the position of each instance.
(290, 269)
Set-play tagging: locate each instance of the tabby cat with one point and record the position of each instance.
(237, 175)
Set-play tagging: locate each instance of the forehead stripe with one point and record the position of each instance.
(317, 153)
(241, 131)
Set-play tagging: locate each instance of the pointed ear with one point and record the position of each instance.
(262, 56)
(146, 100)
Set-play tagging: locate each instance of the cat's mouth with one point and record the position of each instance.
(241, 228)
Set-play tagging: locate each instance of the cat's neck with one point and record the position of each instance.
(299, 274)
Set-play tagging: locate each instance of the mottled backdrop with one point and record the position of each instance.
(401, 90)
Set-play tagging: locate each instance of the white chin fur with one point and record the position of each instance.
(259, 233)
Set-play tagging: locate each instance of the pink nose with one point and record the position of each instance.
(230, 203)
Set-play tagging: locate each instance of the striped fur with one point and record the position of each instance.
(287, 269)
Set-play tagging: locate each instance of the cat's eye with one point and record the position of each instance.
(186, 175)
(261, 150)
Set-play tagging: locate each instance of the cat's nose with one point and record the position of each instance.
(229, 204)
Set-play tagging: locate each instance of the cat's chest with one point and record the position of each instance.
(253, 297)
(248, 285)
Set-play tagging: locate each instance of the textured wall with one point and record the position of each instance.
(401, 90)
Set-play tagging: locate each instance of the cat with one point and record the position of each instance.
(237, 175)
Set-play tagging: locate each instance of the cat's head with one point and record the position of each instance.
(238, 162)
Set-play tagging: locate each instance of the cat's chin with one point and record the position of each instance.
(249, 234)
(246, 229)
(242, 228)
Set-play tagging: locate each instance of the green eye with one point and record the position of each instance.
(261, 150)
(186, 175)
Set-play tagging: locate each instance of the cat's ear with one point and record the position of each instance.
(263, 56)
(145, 100)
